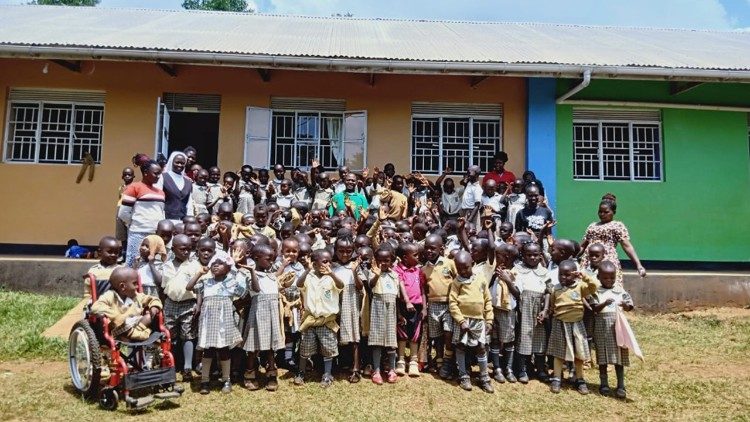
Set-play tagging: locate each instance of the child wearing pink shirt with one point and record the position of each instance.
(411, 310)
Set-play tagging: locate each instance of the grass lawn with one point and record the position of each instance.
(696, 368)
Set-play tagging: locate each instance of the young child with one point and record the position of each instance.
(608, 352)
(263, 333)
(129, 311)
(217, 329)
(248, 189)
(180, 305)
(109, 252)
(567, 341)
(260, 213)
(439, 272)
(492, 199)
(289, 263)
(349, 334)
(532, 280)
(152, 255)
(410, 329)
(284, 197)
(595, 255)
(121, 229)
(321, 291)
(472, 196)
(505, 296)
(470, 306)
(383, 314)
(516, 201)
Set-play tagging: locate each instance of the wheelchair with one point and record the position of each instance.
(105, 369)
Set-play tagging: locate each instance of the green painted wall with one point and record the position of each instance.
(701, 211)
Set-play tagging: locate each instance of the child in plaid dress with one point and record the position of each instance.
(349, 333)
(217, 328)
(532, 280)
(568, 342)
(321, 291)
(263, 332)
(505, 296)
(383, 314)
(610, 297)
(470, 306)
(288, 266)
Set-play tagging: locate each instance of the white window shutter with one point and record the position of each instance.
(257, 136)
(355, 139)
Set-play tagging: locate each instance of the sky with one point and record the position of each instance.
(693, 14)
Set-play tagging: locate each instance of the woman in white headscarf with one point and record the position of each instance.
(177, 188)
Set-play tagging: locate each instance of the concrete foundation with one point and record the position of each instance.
(660, 291)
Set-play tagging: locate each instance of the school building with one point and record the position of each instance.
(658, 117)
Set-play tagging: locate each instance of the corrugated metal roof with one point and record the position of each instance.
(399, 40)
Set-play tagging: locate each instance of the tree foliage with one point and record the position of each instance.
(66, 2)
(221, 5)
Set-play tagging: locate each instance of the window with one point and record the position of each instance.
(53, 131)
(319, 130)
(454, 135)
(617, 145)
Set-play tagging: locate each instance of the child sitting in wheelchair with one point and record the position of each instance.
(130, 312)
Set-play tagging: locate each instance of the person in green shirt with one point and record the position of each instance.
(356, 199)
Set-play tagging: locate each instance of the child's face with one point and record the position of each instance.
(596, 256)
(532, 256)
(286, 232)
(384, 260)
(228, 183)
(143, 250)
(556, 252)
(607, 278)
(285, 187)
(324, 182)
(518, 186)
(166, 235)
(407, 237)
(502, 187)
(432, 250)
(264, 260)
(323, 259)
(204, 220)
(326, 227)
(464, 268)
(129, 286)
(246, 173)
(344, 251)
(181, 250)
(220, 268)
(489, 188)
(411, 258)
(506, 230)
(388, 233)
(193, 231)
(128, 175)
(448, 185)
(365, 255)
(214, 175)
(109, 252)
(278, 171)
(205, 253)
(532, 197)
(567, 276)
(202, 178)
(478, 252)
(261, 218)
(248, 220)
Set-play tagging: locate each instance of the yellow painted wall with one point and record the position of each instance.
(46, 206)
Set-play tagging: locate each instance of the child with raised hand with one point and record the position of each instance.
(439, 272)
(344, 268)
(505, 296)
(412, 308)
(383, 313)
(532, 280)
(610, 297)
(110, 250)
(321, 291)
(470, 306)
(217, 328)
(567, 341)
(263, 332)
(129, 311)
(152, 255)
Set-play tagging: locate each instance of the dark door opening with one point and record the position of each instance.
(201, 130)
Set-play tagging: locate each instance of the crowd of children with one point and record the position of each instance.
(350, 274)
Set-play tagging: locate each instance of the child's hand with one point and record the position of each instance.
(410, 307)
(541, 317)
(487, 223)
(424, 313)
(401, 321)
(464, 326)
(461, 223)
(325, 269)
(315, 163)
(365, 172)
(306, 262)
(609, 302)
(203, 270)
(447, 171)
(146, 320)
(238, 255)
(356, 263)
(488, 327)
(376, 270)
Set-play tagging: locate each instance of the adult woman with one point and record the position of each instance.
(610, 233)
(498, 172)
(177, 188)
(142, 208)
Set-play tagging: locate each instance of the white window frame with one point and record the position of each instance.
(38, 136)
(630, 123)
(297, 142)
(440, 117)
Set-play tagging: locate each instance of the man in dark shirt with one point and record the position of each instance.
(532, 216)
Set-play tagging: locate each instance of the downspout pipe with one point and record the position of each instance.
(578, 88)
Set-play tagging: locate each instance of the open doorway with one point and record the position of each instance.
(193, 120)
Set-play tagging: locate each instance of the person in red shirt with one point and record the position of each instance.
(498, 172)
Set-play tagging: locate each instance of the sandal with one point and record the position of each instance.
(355, 377)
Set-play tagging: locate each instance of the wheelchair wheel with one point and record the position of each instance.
(109, 399)
(85, 359)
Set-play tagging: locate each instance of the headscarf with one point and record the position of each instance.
(221, 256)
(156, 247)
(177, 178)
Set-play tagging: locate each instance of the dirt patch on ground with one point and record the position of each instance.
(30, 367)
(721, 314)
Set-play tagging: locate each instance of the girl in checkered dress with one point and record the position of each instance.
(288, 268)
(217, 327)
(263, 333)
(505, 296)
(383, 314)
(351, 300)
(532, 280)
(610, 297)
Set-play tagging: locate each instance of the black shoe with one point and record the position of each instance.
(554, 385)
(604, 390)
(582, 387)
(620, 393)
(523, 378)
(204, 388)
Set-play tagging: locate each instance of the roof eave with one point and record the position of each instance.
(364, 65)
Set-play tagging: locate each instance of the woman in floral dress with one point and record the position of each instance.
(610, 233)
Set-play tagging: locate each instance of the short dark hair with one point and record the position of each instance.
(501, 155)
